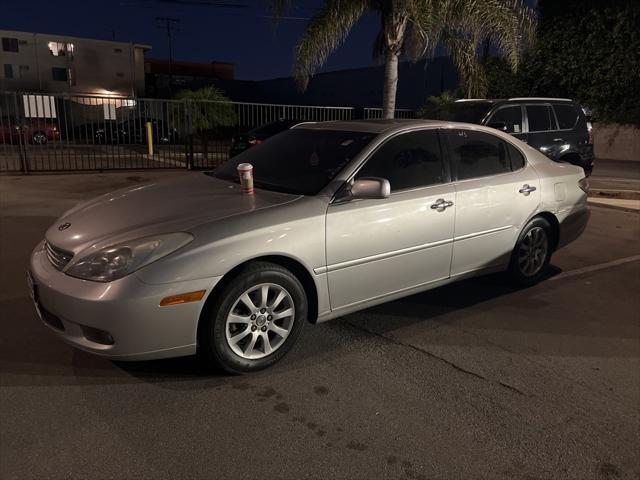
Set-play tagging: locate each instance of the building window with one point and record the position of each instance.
(61, 49)
(59, 74)
(117, 50)
(9, 44)
(8, 70)
(21, 71)
(119, 74)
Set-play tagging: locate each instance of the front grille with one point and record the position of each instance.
(58, 258)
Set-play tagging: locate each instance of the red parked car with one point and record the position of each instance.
(34, 130)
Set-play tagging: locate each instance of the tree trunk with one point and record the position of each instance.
(390, 85)
(394, 19)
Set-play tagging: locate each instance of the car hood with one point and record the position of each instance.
(155, 208)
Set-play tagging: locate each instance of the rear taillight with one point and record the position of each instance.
(255, 141)
(590, 130)
(583, 183)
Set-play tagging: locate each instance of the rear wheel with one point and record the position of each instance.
(39, 138)
(532, 253)
(255, 319)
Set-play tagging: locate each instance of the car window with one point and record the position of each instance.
(510, 116)
(516, 156)
(409, 160)
(567, 116)
(478, 154)
(540, 118)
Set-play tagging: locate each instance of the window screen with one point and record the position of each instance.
(409, 160)
(478, 154)
(8, 70)
(567, 116)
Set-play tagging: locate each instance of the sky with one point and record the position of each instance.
(235, 31)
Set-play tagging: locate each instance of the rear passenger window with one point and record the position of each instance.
(409, 160)
(540, 118)
(567, 116)
(510, 116)
(517, 159)
(478, 154)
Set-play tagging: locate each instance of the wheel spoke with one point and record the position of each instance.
(283, 314)
(252, 343)
(233, 318)
(236, 338)
(266, 344)
(264, 294)
(248, 302)
(278, 330)
(278, 299)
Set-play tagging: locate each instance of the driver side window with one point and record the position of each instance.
(409, 160)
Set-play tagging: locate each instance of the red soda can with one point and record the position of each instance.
(245, 171)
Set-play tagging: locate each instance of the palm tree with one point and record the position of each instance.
(209, 110)
(415, 28)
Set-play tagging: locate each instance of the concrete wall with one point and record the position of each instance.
(98, 67)
(616, 142)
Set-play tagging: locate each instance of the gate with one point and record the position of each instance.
(48, 133)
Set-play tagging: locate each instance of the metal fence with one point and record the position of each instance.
(376, 113)
(44, 133)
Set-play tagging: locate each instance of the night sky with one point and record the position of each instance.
(242, 34)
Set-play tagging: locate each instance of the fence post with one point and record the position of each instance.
(22, 147)
(188, 144)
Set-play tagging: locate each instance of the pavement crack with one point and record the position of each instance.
(442, 359)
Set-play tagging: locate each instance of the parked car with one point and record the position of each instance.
(244, 141)
(345, 215)
(557, 127)
(33, 130)
(130, 131)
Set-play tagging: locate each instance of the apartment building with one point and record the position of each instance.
(39, 62)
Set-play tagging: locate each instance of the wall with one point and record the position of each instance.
(616, 142)
(96, 66)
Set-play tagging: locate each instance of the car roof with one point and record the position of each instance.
(373, 126)
(492, 101)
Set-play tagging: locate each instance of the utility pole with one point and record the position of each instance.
(169, 25)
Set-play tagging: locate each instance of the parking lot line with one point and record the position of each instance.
(593, 268)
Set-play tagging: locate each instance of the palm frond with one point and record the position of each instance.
(324, 34)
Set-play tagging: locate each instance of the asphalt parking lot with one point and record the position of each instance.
(473, 380)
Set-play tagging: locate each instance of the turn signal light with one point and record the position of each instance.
(182, 298)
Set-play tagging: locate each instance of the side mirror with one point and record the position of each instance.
(370, 187)
(498, 126)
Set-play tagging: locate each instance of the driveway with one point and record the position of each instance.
(473, 380)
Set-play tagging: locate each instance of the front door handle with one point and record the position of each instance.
(441, 204)
(527, 189)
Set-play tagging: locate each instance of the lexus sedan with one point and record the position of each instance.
(345, 215)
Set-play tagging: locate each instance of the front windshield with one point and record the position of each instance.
(300, 161)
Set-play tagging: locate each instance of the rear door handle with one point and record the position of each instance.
(441, 204)
(527, 189)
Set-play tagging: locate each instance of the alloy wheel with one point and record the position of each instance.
(533, 251)
(260, 321)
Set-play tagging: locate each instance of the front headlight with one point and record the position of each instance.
(119, 260)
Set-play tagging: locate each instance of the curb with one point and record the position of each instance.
(615, 194)
(613, 207)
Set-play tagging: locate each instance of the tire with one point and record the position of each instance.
(532, 253)
(232, 334)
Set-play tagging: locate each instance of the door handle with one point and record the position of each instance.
(441, 204)
(527, 189)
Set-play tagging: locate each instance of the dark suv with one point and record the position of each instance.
(557, 127)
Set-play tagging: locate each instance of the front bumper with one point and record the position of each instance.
(121, 320)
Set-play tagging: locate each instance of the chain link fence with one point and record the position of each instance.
(48, 133)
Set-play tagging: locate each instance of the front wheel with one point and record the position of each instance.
(532, 253)
(254, 321)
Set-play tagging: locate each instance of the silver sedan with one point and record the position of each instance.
(345, 215)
